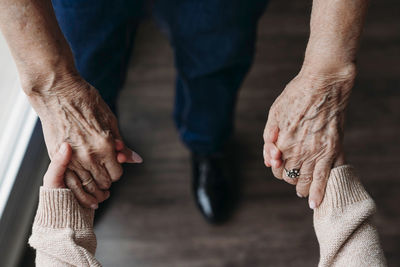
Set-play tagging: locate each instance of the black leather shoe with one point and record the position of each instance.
(213, 187)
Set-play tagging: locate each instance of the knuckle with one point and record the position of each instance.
(306, 180)
(285, 145)
(293, 162)
(104, 143)
(319, 176)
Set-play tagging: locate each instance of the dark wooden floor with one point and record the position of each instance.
(151, 219)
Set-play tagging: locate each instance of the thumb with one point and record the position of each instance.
(54, 177)
(128, 156)
(271, 131)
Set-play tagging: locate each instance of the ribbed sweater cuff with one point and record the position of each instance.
(343, 189)
(58, 208)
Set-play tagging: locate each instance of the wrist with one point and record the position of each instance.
(328, 70)
(50, 91)
(43, 81)
(322, 57)
(49, 83)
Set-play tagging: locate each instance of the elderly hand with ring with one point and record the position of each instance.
(303, 134)
(304, 131)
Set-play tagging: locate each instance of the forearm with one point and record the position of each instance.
(335, 31)
(37, 44)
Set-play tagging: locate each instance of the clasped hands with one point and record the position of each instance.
(72, 112)
(304, 130)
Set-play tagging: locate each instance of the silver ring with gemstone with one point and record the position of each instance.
(293, 173)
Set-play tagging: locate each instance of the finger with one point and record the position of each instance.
(271, 132)
(103, 182)
(99, 172)
(278, 164)
(267, 159)
(95, 191)
(277, 171)
(54, 177)
(320, 178)
(305, 179)
(272, 151)
(287, 179)
(125, 154)
(291, 164)
(92, 167)
(85, 199)
(113, 168)
(128, 156)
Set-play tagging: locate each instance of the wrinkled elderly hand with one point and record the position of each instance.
(72, 111)
(305, 129)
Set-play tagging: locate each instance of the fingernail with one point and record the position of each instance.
(264, 152)
(299, 195)
(312, 204)
(135, 157)
(63, 148)
(94, 206)
(273, 152)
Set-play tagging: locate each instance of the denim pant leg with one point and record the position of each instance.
(214, 45)
(100, 34)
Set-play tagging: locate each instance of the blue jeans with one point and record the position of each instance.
(213, 42)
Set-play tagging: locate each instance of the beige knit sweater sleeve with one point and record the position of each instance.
(343, 224)
(62, 232)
